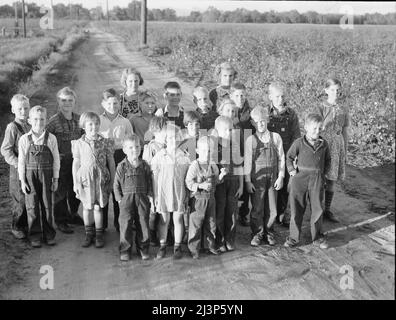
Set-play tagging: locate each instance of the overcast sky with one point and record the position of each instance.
(184, 7)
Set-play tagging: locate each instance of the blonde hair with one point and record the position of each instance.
(200, 89)
(209, 140)
(259, 111)
(88, 116)
(224, 66)
(223, 120)
(126, 72)
(66, 91)
(37, 109)
(131, 138)
(225, 102)
(157, 124)
(276, 85)
(172, 129)
(18, 98)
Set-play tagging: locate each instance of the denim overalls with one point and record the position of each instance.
(226, 202)
(203, 212)
(263, 176)
(19, 216)
(65, 195)
(282, 125)
(39, 173)
(134, 207)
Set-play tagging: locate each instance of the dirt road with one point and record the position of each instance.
(247, 273)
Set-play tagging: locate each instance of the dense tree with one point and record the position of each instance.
(212, 14)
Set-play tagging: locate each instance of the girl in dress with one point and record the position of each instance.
(93, 175)
(225, 74)
(131, 79)
(335, 132)
(169, 167)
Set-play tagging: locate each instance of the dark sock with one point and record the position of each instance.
(89, 230)
(328, 198)
(99, 232)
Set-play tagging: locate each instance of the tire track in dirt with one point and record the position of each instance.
(247, 273)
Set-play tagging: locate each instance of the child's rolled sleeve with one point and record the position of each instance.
(53, 146)
(117, 187)
(7, 147)
(191, 177)
(22, 154)
(291, 156)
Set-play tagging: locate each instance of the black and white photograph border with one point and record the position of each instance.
(46, 45)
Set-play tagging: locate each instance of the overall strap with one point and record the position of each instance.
(46, 138)
(19, 127)
(30, 139)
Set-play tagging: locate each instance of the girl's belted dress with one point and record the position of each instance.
(93, 175)
(336, 119)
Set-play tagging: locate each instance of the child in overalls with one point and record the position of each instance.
(64, 125)
(202, 178)
(284, 121)
(228, 192)
(38, 169)
(264, 168)
(307, 180)
(9, 150)
(132, 189)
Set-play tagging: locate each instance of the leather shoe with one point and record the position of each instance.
(65, 228)
(51, 242)
(35, 243)
(330, 216)
(18, 234)
(244, 221)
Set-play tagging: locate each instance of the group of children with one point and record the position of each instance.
(175, 175)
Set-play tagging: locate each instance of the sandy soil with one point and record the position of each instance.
(247, 273)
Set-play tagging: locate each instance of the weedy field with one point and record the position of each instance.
(302, 56)
(19, 56)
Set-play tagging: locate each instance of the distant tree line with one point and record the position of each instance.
(212, 14)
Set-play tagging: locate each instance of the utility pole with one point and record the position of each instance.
(16, 31)
(70, 10)
(107, 11)
(23, 18)
(143, 24)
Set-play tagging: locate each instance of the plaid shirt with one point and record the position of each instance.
(65, 131)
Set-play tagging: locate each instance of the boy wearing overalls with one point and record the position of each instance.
(9, 150)
(38, 169)
(227, 150)
(132, 189)
(202, 177)
(284, 121)
(307, 180)
(264, 166)
(64, 125)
